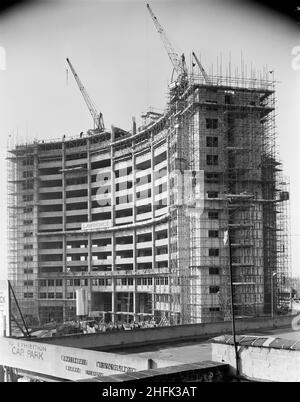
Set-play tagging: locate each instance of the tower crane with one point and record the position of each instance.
(178, 62)
(203, 72)
(97, 117)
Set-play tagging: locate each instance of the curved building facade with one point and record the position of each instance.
(138, 218)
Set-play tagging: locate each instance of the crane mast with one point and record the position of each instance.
(97, 117)
(178, 63)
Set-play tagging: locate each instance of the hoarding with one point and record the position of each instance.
(65, 362)
(81, 302)
(96, 225)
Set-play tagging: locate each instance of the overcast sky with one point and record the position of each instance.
(123, 64)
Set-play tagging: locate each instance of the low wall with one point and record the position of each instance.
(260, 358)
(69, 363)
(206, 371)
(110, 340)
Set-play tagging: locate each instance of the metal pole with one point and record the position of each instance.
(8, 325)
(232, 309)
(275, 296)
(272, 296)
(273, 299)
(16, 300)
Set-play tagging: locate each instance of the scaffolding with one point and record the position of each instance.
(21, 231)
(283, 288)
(223, 177)
(226, 130)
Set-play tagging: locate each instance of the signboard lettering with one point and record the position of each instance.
(65, 362)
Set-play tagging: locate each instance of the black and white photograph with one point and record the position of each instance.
(150, 194)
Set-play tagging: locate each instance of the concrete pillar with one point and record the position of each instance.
(135, 316)
(64, 240)
(89, 235)
(153, 217)
(113, 294)
(113, 241)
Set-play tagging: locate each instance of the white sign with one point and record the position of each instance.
(4, 308)
(81, 302)
(65, 362)
(96, 225)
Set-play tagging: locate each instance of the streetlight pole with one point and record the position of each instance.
(241, 196)
(232, 308)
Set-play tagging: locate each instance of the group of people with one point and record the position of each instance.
(94, 326)
(90, 327)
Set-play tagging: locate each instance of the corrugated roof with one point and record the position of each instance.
(259, 341)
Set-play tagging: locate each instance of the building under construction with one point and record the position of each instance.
(151, 221)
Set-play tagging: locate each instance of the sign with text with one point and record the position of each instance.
(96, 225)
(65, 362)
(4, 308)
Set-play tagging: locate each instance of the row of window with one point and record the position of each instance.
(27, 210)
(51, 282)
(29, 161)
(159, 298)
(76, 180)
(144, 237)
(162, 298)
(50, 295)
(27, 197)
(27, 173)
(212, 160)
(124, 282)
(122, 213)
(78, 258)
(144, 281)
(77, 282)
(105, 189)
(104, 183)
(27, 185)
(108, 268)
(102, 282)
(163, 281)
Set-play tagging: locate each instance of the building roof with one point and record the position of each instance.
(259, 341)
